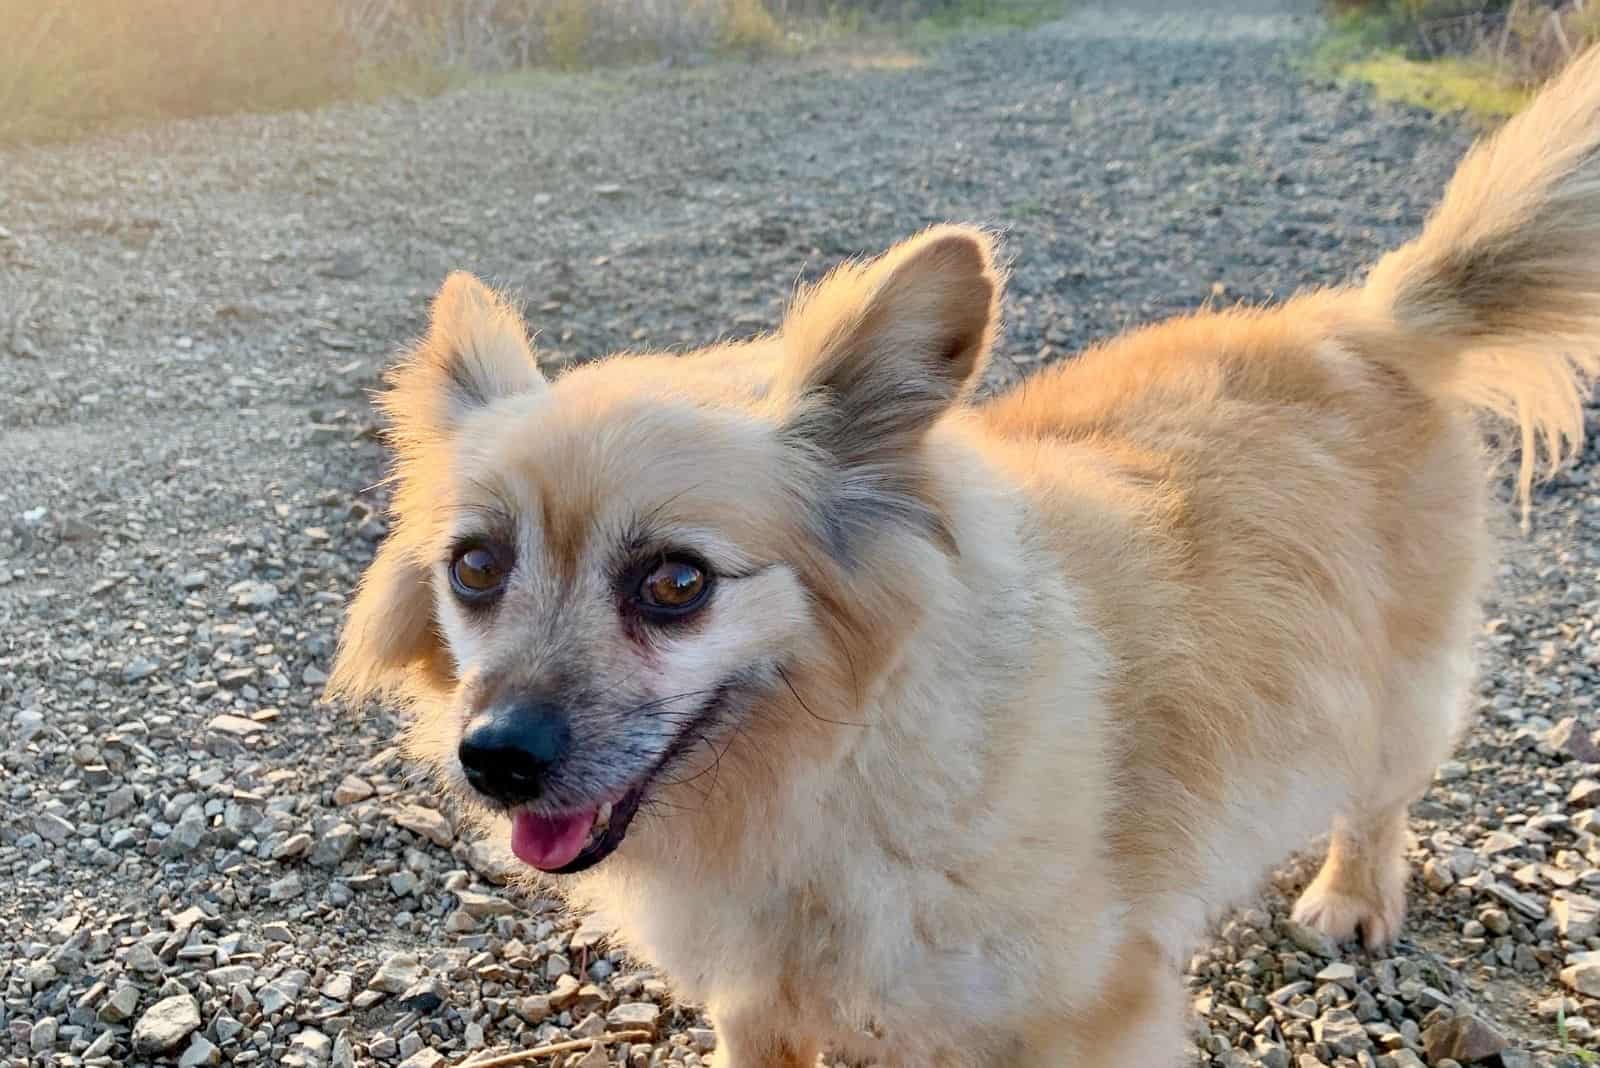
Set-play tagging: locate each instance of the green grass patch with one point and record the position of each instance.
(970, 15)
(1444, 85)
(1583, 1056)
(920, 28)
(1477, 59)
(1360, 47)
(1017, 14)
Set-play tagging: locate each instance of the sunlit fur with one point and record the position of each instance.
(995, 704)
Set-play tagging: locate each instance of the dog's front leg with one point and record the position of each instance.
(1136, 1018)
(746, 1039)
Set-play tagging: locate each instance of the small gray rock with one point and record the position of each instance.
(1343, 1033)
(253, 594)
(142, 959)
(201, 1051)
(484, 906)
(1338, 972)
(1582, 973)
(101, 1045)
(535, 1008)
(1467, 1039)
(1585, 793)
(337, 986)
(52, 828)
(634, 1015)
(290, 886)
(42, 1038)
(120, 1006)
(1577, 916)
(423, 997)
(1400, 1058)
(404, 883)
(313, 1045)
(430, 823)
(166, 1024)
(227, 1028)
(296, 845)
(185, 837)
(28, 725)
(275, 997)
(594, 1057)
(1569, 739)
(398, 972)
(423, 1058)
(139, 668)
(1311, 940)
(352, 790)
(234, 726)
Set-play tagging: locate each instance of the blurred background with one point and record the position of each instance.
(1482, 56)
(67, 67)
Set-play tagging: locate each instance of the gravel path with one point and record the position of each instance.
(203, 862)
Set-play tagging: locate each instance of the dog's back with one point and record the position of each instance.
(1280, 518)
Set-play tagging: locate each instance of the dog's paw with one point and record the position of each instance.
(1341, 915)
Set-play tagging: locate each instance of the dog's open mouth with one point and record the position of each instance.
(572, 841)
(576, 840)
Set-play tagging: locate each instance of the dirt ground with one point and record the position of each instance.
(203, 861)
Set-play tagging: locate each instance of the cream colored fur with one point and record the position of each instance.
(1025, 691)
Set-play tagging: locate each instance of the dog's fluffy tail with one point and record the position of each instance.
(1497, 303)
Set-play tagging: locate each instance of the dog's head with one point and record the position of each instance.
(661, 579)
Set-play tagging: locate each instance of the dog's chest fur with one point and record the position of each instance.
(893, 902)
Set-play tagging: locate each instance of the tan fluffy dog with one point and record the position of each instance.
(932, 732)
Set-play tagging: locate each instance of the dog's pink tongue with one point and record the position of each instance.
(548, 842)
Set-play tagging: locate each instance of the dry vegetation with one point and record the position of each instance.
(1479, 56)
(76, 63)
(68, 66)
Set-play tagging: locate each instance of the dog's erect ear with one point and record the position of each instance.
(389, 643)
(892, 343)
(475, 351)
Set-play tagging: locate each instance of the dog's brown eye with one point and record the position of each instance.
(476, 574)
(673, 587)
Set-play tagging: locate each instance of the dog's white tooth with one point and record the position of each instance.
(604, 817)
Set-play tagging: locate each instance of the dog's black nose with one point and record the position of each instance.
(508, 751)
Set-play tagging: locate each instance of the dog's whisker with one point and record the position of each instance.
(784, 675)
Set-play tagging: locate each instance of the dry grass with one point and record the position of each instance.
(1483, 57)
(68, 67)
(75, 64)
(747, 26)
(71, 66)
